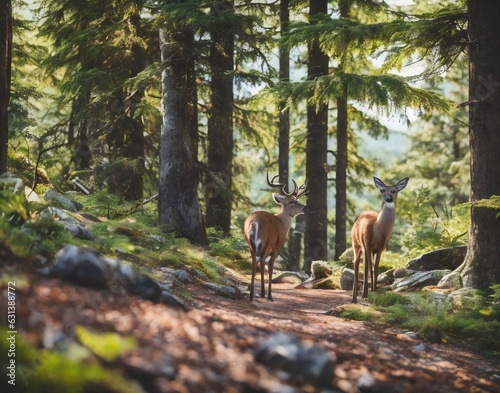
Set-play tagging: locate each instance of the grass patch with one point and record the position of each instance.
(358, 314)
(40, 371)
(473, 319)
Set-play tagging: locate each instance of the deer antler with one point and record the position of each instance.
(303, 187)
(283, 186)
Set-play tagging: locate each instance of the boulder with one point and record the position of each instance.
(420, 280)
(347, 256)
(347, 279)
(446, 258)
(59, 200)
(224, 290)
(320, 269)
(12, 183)
(289, 277)
(82, 266)
(87, 267)
(452, 280)
(288, 354)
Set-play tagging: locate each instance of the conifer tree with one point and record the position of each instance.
(220, 117)
(482, 263)
(179, 209)
(351, 41)
(315, 239)
(5, 75)
(99, 47)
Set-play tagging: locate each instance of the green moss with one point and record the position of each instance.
(108, 346)
(41, 371)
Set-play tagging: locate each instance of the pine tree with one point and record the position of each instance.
(351, 40)
(5, 75)
(220, 117)
(315, 239)
(99, 47)
(179, 209)
(482, 263)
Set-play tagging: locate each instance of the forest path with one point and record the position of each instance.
(211, 347)
(369, 359)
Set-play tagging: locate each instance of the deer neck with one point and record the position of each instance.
(386, 218)
(285, 218)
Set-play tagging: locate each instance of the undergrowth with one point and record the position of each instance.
(472, 319)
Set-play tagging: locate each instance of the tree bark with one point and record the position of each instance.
(315, 239)
(179, 209)
(341, 177)
(482, 262)
(126, 141)
(284, 113)
(220, 122)
(342, 159)
(5, 75)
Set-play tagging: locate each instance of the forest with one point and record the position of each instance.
(163, 119)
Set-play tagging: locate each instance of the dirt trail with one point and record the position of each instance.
(211, 347)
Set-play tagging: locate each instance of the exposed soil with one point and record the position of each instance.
(210, 348)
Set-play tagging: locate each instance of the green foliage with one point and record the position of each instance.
(492, 202)
(357, 314)
(108, 346)
(40, 371)
(387, 299)
(473, 318)
(426, 229)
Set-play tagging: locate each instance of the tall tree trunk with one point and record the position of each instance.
(220, 122)
(179, 209)
(295, 240)
(482, 262)
(127, 139)
(341, 177)
(5, 75)
(315, 239)
(284, 113)
(342, 158)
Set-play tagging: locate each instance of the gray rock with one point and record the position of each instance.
(79, 231)
(452, 280)
(12, 183)
(171, 300)
(82, 266)
(320, 269)
(291, 277)
(31, 196)
(298, 360)
(61, 201)
(347, 256)
(87, 267)
(144, 287)
(224, 290)
(420, 280)
(386, 278)
(446, 258)
(182, 276)
(347, 279)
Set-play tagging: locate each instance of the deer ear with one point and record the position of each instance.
(279, 199)
(402, 183)
(379, 183)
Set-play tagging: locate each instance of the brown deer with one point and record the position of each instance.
(371, 233)
(266, 233)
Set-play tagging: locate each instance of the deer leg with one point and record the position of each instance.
(254, 271)
(262, 266)
(368, 268)
(375, 270)
(357, 260)
(271, 266)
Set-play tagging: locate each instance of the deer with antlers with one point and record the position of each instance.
(371, 233)
(266, 232)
